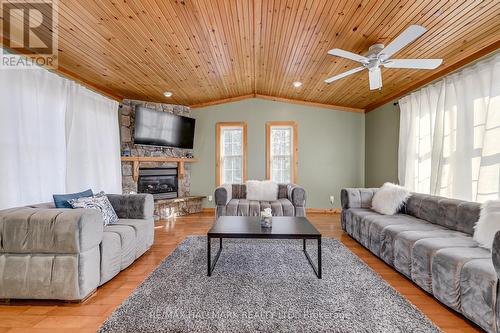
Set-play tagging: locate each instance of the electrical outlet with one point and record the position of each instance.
(209, 198)
(332, 199)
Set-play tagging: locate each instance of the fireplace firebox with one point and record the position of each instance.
(162, 183)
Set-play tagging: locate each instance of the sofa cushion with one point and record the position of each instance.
(253, 208)
(49, 276)
(132, 206)
(244, 207)
(347, 219)
(111, 261)
(144, 233)
(403, 245)
(282, 207)
(127, 242)
(423, 252)
(352, 218)
(390, 233)
(232, 207)
(451, 213)
(37, 230)
(446, 271)
(377, 224)
(478, 291)
(357, 197)
(46, 205)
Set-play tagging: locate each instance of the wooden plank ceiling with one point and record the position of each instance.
(210, 50)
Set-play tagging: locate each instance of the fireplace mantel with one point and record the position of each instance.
(138, 159)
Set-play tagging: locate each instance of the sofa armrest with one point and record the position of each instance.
(495, 253)
(297, 195)
(357, 197)
(222, 195)
(50, 230)
(132, 206)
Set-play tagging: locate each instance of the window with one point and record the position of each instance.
(449, 134)
(281, 152)
(231, 142)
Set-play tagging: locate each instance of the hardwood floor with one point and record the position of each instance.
(53, 317)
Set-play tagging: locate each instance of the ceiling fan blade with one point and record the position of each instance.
(348, 55)
(349, 72)
(413, 63)
(409, 35)
(375, 77)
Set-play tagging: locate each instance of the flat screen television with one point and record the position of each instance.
(163, 129)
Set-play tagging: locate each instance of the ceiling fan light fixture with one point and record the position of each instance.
(168, 94)
(380, 55)
(297, 84)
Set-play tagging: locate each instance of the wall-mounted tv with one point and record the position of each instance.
(163, 129)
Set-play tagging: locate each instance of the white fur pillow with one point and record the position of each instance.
(264, 190)
(389, 199)
(488, 224)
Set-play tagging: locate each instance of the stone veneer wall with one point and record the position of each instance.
(165, 209)
(127, 122)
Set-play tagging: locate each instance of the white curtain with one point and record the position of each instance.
(32, 144)
(92, 141)
(39, 138)
(449, 140)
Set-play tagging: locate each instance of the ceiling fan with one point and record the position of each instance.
(379, 55)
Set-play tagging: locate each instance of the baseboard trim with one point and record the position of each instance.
(308, 210)
(323, 210)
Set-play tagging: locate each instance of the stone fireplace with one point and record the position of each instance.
(127, 123)
(170, 189)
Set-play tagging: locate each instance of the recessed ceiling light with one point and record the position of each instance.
(297, 84)
(168, 94)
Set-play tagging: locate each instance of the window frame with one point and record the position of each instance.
(295, 148)
(218, 153)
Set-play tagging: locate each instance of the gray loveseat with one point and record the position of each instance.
(291, 201)
(65, 254)
(430, 241)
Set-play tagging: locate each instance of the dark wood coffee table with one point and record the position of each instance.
(284, 227)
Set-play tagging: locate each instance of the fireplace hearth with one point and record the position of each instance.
(162, 183)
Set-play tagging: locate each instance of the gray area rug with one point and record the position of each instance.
(265, 286)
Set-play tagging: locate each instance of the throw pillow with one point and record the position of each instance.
(389, 199)
(100, 202)
(264, 190)
(488, 224)
(62, 200)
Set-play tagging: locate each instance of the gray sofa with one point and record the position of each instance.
(65, 254)
(430, 241)
(291, 201)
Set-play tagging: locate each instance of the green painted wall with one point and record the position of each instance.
(331, 146)
(381, 149)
